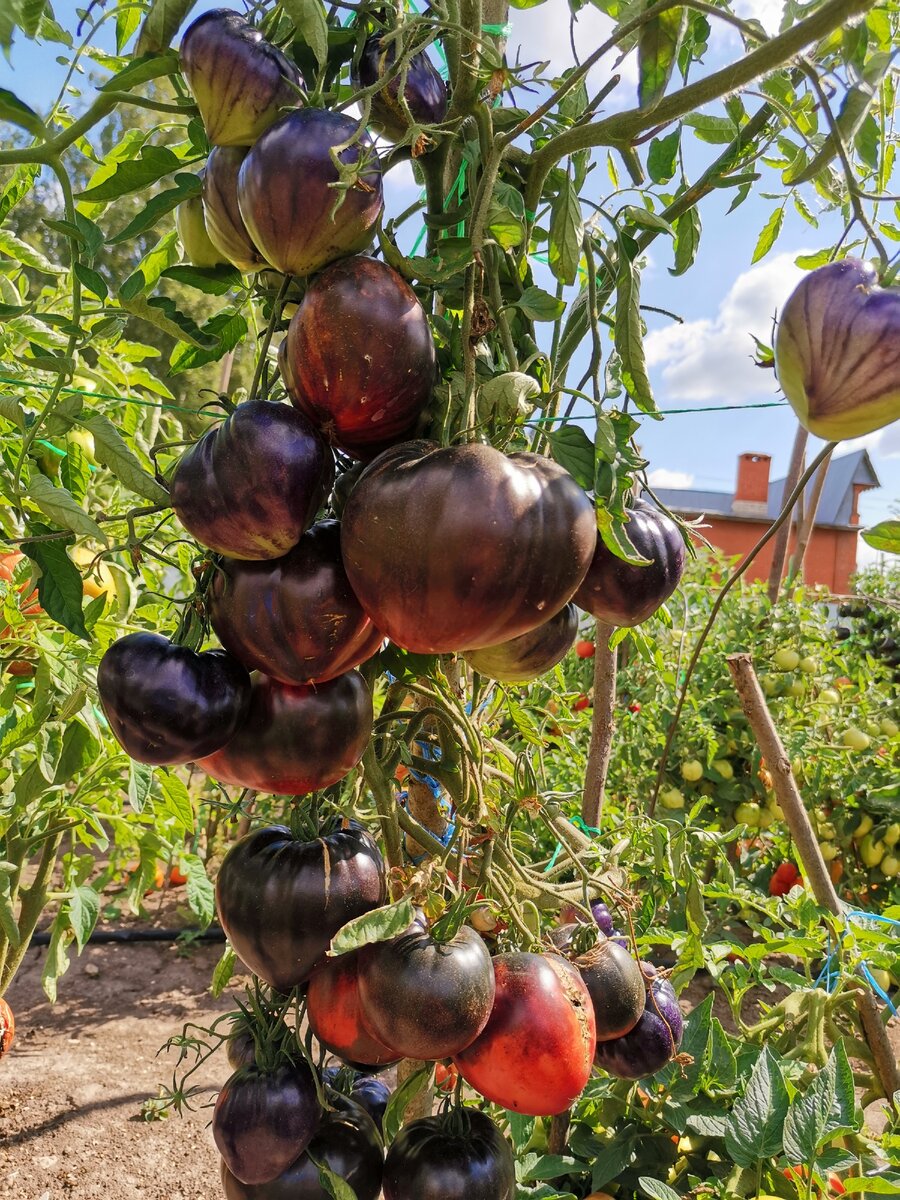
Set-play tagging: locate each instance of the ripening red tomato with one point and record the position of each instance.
(585, 649)
(634, 708)
(445, 1076)
(784, 877)
(580, 704)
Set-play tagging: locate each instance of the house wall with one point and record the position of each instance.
(830, 557)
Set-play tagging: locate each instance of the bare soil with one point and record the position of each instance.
(72, 1087)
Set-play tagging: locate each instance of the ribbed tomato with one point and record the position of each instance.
(335, 1014)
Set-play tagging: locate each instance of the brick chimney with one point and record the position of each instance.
(751, 495)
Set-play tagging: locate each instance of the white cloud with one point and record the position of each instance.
(884, 442)
(712, 358)
(767, 12)
(664, 478)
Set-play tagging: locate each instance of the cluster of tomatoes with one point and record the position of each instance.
(442, 549)
(523, 1029)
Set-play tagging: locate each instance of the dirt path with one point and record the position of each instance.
(72, 1088)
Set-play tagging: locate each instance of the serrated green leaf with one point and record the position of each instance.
(379, 925)
(717, 130)
(875, 1185)
(662, 157)
(658, 44)
(824, 1111)
(331, 1183)
(769, 234)
(91, 279)
(165, 315)
(84, 909)
(147, 273)
(551, 1166)
(401, 1099)
(572, 448)
(615, 537)
(12, 410)
(884, 536)
(228, 327)
(656, 1189)
(133, 175)
(645, 219)
(25, 254)
(687, 241)
(140, 780)
(59, 587)
(214, 281)
(142, 70)
(112, 452)
(157, 206)
(17, 112)
(539, 305)
(60, 506)
(79, 749)
(309, 21)
(75, 472)
(201, 893)
(128, 21)
(161, 24)
(756, 1126)
(176, 801)
(629, 339)
(566, 233)
(223, 972)
(17, 187)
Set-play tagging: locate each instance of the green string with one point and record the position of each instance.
(579, 823)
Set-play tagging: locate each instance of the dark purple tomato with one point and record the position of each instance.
(458, 1156)
(603, 917)
(192, 233)
(286, 195)
(240, 1048)
(460, 547)
(167, 704)
(295, 618)
(616, 986)
(335, 1017)
(281, 900)
(224, 223)
(240, 82)
(530, 654)
(622, 594)
(368, 1091)
(347, 1142)
(264, 1120)
(425, 92)
(654, 1040)
(361, 361)
(253, 485)
(295, 740)
(426, 999)
(535, 1054)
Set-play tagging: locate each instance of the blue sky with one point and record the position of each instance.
(705, 361)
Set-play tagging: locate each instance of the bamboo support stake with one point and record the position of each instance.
(806, 526)
(782, 538)
(779, 765)
(602, 727)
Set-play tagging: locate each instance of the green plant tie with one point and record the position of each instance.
(579, 823)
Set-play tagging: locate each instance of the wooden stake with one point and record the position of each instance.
(602, 727)
(779, 551)
(815, 868)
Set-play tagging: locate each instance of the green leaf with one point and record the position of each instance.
(17, 187)
(154, 163)
(142, 70)
(22, 253)
(539, 305)
(74, 471)
(165, 315)
(566, 233)
(718, 130)
(223, 972)
(379, 925)
(662, 157)
(176, 801)
(756, 1127)
(658, 44)
(146, 275)
(629, 338)
(56, 962)
(615, 537)
(80, 749)
(824, 1111)
(157, 206)
(646, 219)
(401, 1099)
(8, 926)
(883, 536)
(61, 506)
(505, 227)
(227, 326)
(309, 21)
(91, 279)
(687, 241)
(17, 112)
(128, 20)
(59, 586)
(12, 410)
(573, 449)
(201, 893)
(769, 234)
(507, 396)
(551, 1166)
(112, 452)
(214, 281)
(656, 1189)
(140, 779)
(332, 1184)
(84, 909)
(161, 24)
(876, 1185)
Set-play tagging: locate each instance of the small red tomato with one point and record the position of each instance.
(581, 703)
(445, 1076)
(7, 1027)
(634, 708)
(585, 649)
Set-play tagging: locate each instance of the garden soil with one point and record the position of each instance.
(73, 1088)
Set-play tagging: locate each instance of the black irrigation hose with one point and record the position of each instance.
(102, 937)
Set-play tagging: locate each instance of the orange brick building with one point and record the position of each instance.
(734, 522)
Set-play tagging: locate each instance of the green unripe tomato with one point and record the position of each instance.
(890, 866)
(871, 852)
(829, 696)
(748, 813)
(766, 817)
(855, 739)
(827, 831)
(724, 767)
(889, 728)
(828, 850)
(797, 688)
(672, 798)
(882, 978)
(873, 729)
(769, 685)
(809, 665)
(892, 834)
(864, 826)
(775, 809)
(786, 659)
(692, 770)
